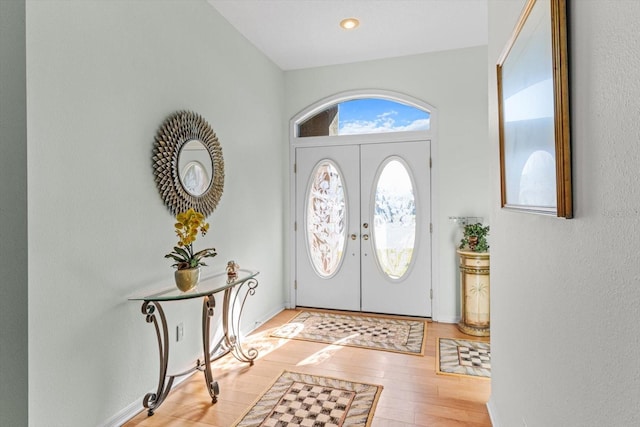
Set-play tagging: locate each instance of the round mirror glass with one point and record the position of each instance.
(195, 168)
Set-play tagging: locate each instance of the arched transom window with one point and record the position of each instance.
(365, 116)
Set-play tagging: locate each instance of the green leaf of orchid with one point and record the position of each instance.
(182, 252)
(175, 257)
(205, 253)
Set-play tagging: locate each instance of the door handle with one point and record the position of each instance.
(365, 236)
(365, 225)
(354, 236)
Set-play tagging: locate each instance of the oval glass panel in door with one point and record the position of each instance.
(394, 219)
(326, 219)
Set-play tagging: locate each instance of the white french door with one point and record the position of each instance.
(327, 255)
(363, 215)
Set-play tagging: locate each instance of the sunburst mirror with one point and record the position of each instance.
(187, 164)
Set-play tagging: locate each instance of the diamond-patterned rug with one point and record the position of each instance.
(463, 357)
(303, 400)
(378, 333)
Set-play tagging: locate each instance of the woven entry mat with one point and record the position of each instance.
(463, 357)
(377, 333)
(305, 400)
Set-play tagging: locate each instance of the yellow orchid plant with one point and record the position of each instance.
(187, 225)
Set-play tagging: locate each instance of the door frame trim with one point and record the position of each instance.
(430, 135)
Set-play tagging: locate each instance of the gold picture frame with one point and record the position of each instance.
(533, 111)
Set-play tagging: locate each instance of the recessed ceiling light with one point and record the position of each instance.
(349, 23)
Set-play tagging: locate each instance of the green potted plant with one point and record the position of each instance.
(475, 238)
(188, 262)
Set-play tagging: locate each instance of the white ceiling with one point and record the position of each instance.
(305, 33)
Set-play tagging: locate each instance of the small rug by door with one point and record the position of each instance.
(377, 333)
(463, 357)
(297, 399)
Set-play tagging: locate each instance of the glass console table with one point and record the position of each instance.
(244, 284)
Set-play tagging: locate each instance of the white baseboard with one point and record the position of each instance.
(493, 414)
(136, 407)
(124, 415)
(447, 319)
(265, 318)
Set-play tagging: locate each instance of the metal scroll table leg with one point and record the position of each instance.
(152, 401)
(232, 337)
(207, 313)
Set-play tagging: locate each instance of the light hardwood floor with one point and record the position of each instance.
(413, 394)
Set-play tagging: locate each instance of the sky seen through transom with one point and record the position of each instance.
(375, 115)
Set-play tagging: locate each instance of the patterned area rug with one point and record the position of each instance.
(378, 333)
(297, 399)
(464, 357)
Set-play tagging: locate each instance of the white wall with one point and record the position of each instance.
(565, 293)
(455, 83)
(101, 78)
(13, 215)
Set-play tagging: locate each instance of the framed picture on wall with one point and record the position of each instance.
(533, 108)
